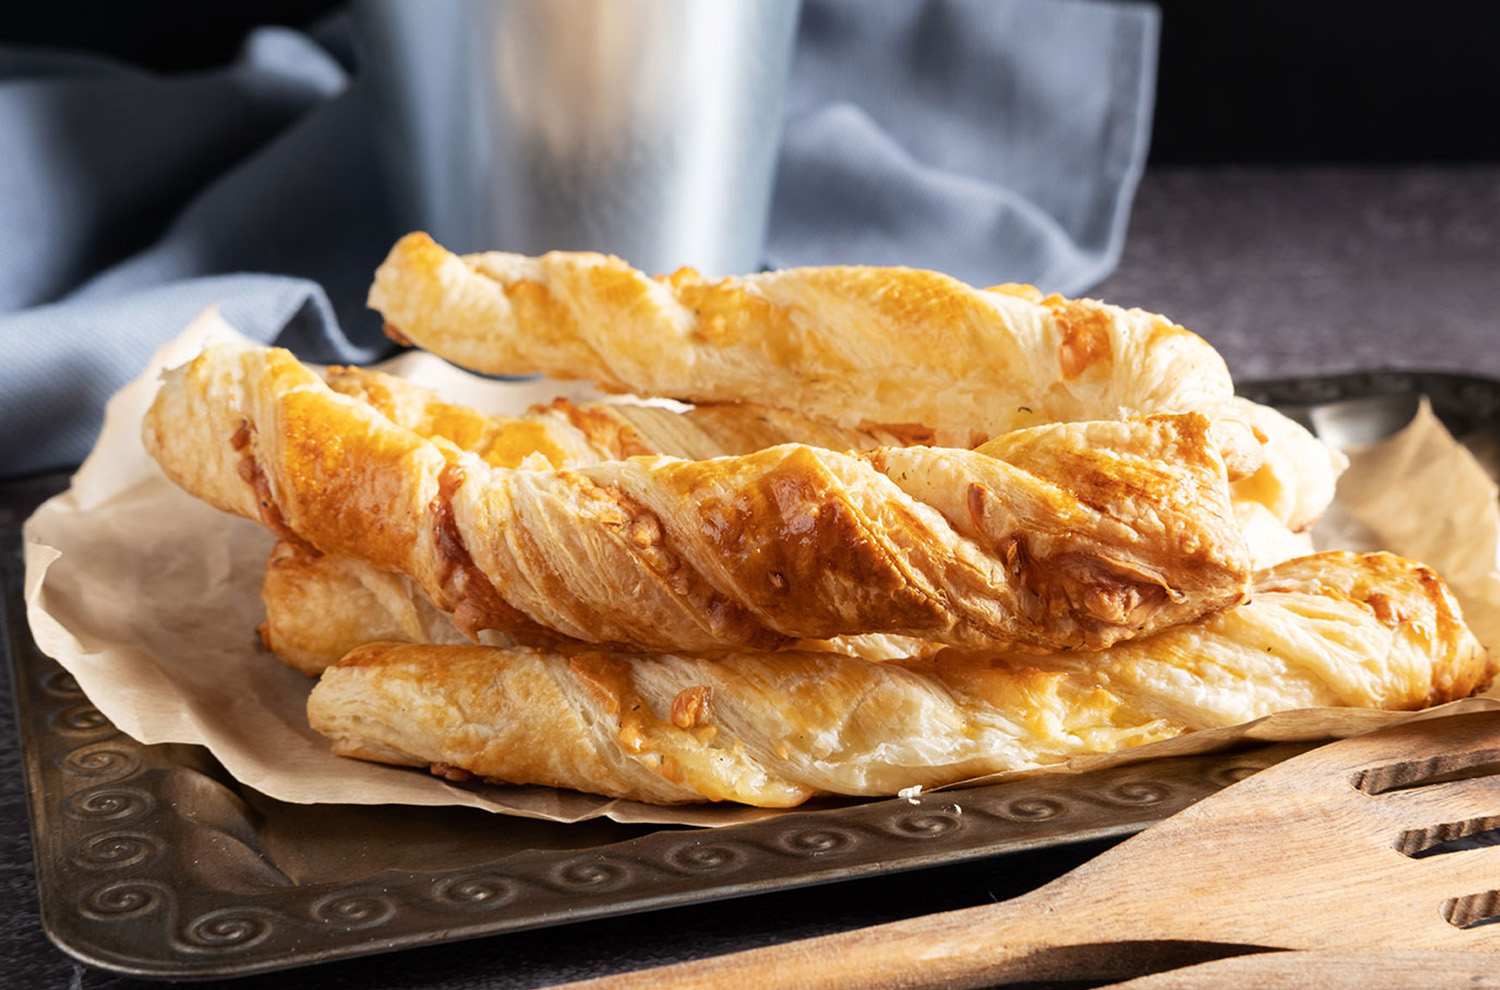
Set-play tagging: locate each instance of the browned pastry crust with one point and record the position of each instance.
(569, 434)
(932, 359)
(1333, 629)
(897, 347)
(321, 606)
(1066, 536)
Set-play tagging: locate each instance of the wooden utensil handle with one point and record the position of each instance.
(1019, 940)
(935, 951)
(1327, 970)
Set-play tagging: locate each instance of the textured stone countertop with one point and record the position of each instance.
(1287, 271)
(1315, 270)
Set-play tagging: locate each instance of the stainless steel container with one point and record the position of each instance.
(644, 128)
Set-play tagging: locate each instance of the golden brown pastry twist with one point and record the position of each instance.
(928, 357)
(910, 350)
(1334, 629)
(321, 606)
(1063, 537)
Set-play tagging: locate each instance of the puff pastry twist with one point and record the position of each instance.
(321, 606)
(908, 350)
(1061, 537)
(1335, 629)
(926, 357)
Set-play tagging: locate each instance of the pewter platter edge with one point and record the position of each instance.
(151, 861)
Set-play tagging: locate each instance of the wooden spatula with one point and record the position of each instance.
(1346, 847)
(1325, 970)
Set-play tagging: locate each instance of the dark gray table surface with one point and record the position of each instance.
(1287, 271)
(1315, 270)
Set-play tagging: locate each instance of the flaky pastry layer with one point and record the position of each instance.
(918, 353)
(321, 606)
(1061, 537)
(1298, 473)
(1334, 629)
(901, 348)
(568, 434)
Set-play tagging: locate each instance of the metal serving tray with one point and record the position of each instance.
(152, 861)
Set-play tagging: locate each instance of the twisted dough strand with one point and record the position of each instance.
(1335, 629)
(853, 345)
(1065, 537)
(321, 606)
(916, 352)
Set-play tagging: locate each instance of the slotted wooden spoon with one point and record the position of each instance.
(1345, 847)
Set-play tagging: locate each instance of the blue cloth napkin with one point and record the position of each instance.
(994, 141)
(998, 140)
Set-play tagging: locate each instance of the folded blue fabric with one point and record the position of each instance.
(999, 140)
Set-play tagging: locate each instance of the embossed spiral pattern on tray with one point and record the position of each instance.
(1136, 793)
(122, 898)
(81, 718)
(353, 911)
(108, 804)
(483, 891)
(1029, 809)
(581, 874)
(230, 929)
(698, 857)
(115, 850)
(100, 761)
(926, 825)
(818, 841)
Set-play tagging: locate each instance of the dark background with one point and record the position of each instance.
(1247, 81)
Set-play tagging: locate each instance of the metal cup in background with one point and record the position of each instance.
(643, 128)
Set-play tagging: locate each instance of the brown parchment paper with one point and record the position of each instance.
(151, 600)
